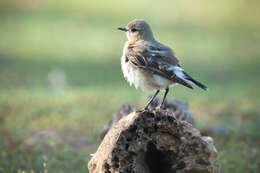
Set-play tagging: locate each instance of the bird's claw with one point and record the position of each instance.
(142, 110)
(162, 106)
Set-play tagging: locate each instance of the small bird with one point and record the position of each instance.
(150, 65)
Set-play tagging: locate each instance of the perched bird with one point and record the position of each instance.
(150, 65)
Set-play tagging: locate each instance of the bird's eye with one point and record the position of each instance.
(133, 30)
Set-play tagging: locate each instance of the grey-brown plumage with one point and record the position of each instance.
(150, 65)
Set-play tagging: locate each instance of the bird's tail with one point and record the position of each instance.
(191, 79)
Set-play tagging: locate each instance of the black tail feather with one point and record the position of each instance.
(182, 82)
(188, 77)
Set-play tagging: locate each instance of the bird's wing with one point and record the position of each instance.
(156, 61)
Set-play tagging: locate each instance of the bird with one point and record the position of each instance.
(149, 65)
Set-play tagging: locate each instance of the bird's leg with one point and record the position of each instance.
(150, 101)
(164, 97)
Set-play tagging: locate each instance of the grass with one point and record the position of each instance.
(61, 82)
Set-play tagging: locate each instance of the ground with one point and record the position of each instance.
(61, 82)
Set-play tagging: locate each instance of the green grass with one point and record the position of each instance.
(45, 126)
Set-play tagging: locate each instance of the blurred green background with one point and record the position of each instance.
(61, 80)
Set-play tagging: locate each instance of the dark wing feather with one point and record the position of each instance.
(154, 62)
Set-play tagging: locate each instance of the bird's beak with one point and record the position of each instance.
(122, 29)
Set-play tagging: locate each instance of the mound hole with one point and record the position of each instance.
(156, 160)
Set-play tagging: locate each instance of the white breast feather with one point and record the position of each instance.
(130, 73)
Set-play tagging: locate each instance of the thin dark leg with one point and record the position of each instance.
(151, 100)
(164, 97)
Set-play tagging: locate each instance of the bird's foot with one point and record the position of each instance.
(142, 110)
(162, 106)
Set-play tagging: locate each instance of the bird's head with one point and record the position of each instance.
(138, 29)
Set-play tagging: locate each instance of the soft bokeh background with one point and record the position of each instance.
(61, 82)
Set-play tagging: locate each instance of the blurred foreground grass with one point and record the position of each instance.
(61, 82)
